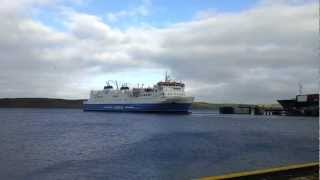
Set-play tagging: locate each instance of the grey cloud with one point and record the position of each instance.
(276, 41)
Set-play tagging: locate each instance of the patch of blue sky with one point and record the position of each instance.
(50, 17)
(160, 13)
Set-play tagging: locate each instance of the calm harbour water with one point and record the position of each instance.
(50, 144)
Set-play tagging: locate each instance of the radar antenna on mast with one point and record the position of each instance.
(300, 88)
(167, 77)
(116, 82)
(108, 82)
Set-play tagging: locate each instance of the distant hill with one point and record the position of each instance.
(39, 103)
(215, 106)
(204, 105)
(65, 103)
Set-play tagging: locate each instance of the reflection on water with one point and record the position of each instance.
(71, 144)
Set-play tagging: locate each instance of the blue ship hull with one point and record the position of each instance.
(163, 107)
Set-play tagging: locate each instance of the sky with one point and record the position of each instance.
(248, 51)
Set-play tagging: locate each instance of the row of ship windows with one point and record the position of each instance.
(169, 94)
(146, 94)
(174, 94)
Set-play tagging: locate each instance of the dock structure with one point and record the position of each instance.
(238, 109)
(294, 172)
(301, 105)
(251, 109)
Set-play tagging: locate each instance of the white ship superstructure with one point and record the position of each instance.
(165, 96)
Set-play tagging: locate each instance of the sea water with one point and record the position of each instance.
(50, 144)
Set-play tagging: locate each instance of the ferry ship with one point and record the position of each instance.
(165, 96)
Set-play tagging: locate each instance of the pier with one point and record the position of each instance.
(307, 171)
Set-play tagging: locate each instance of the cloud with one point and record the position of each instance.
(257, 55)
(253, 56)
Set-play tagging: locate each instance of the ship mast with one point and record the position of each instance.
(167, 78)
(117, 85)
(300, 88)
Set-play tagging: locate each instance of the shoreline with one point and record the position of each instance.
(223, 108)
(40, 103)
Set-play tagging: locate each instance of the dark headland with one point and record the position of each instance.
(40, 103)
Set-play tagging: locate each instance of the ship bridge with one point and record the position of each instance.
(170, 88)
